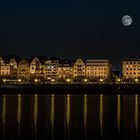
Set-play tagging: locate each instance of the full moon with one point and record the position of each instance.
(126, 20)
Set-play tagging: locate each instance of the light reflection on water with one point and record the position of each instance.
(52, 114)
(19, 114)
(119, 112)
(85, 114)
(3, 114)
(35, 113)
(136, 113)
(70, 109)
(101, 113)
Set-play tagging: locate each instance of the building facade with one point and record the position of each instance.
(131, 68)
(36, 68)
(13, 67)
(65, 69)
(23, 69)
(79, 69)
(97, 69)
(4, 67)
(51, 69)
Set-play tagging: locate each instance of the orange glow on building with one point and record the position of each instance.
(97, 69)
(131, 68)
(54, 69)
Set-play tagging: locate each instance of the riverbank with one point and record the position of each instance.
(70, 89)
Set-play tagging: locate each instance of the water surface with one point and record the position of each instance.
(69, 116)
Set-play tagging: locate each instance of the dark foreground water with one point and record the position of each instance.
(53, 117)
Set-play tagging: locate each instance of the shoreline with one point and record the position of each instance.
(79, 89)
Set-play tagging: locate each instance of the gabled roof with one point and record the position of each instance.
(7, 58)
(41, 58)
(24, 61)
(80, 59)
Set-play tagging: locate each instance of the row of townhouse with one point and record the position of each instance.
(52, 68)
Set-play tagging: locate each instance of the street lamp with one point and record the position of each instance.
(52, 80)
(85, 80)
(68, 80)
(101, 80)
(35, 80)
(118, 80)
(4, 80)
(136, 80)
(19, 80)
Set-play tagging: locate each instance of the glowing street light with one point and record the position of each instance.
(4, 80)
(35, 80)
(85, 80)
(52, 80)
(68, 80)
(136, 80)
(101, 80)
(19, 80)
(118, 80)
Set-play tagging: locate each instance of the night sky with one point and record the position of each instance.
(70, 28)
